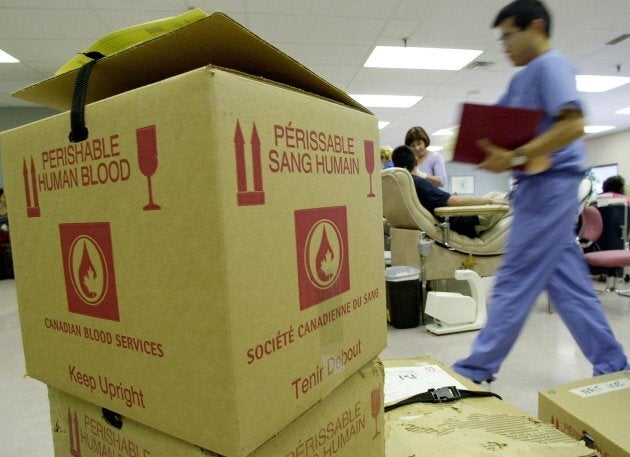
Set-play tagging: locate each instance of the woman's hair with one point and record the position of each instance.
(614, 184)
(417, 134)
(524, 12)
(386, 152)
(404, 157)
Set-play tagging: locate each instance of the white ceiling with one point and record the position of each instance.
(334, 38)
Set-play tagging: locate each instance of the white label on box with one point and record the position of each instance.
(404, 382)
(601, 388)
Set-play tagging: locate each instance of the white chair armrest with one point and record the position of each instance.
(475, 210)
(601, 201)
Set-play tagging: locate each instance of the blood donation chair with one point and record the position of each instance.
(419, 240)
(609, 260)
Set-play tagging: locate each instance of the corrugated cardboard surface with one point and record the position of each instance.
(598, 406)
(217, 40)
(347, 423)
(475, 427)
(249, 290)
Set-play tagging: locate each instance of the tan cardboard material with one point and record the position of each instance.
(597, 407)
(208, 262)
(216, 40)
(347, 423)
(471, 427)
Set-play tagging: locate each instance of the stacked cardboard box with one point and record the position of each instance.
(595, 410)
(347, 423)
(208, 261)
(474, 427)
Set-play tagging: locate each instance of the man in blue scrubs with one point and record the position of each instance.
(541, 252)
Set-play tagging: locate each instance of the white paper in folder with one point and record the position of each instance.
(404, 382)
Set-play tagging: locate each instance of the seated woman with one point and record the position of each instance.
(386, 157)
(432, 197)
(430, 164)
(614, 187)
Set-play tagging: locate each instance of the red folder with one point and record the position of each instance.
(504, 126)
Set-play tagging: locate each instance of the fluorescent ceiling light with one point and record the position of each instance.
(382, 124)
(421, 58)
(445, 132)
(7, 58)
(597, 128)
(623, 111)
(386, 101)
(595, 83)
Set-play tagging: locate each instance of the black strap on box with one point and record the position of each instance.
(442, 395)
(78, 130)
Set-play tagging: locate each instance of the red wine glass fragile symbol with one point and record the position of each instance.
(376, 408)
(146, 139)
(369, 163)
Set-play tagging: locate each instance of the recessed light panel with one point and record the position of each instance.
(623, 111)
(5, 57)
(597, 128)
(421, 58)
(596, 83)
(445, 132)
(386, 101)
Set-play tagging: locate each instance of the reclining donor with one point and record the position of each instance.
(432, 197)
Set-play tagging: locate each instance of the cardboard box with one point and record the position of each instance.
(209, 261)
(596, 409)
(474, 427)
(347, 423)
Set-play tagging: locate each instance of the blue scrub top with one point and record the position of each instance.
(548, 83)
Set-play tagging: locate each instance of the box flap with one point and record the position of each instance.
(216, 40)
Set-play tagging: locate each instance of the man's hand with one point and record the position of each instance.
(498, 159)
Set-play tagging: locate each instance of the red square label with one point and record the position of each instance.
(88, 266)
(321, 236)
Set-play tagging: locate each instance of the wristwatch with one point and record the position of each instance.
(519, 158)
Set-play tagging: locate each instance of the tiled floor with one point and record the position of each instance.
(544, 355)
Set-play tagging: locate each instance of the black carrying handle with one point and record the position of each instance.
(442, 395)
(78, 130)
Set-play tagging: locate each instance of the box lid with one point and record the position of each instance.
(216, 40)
(602, 402)
(474, 427)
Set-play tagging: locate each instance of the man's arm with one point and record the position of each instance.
(568, 127)
(464, 200)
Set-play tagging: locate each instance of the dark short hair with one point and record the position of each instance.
(417, 134)
(614, 184)
(404, 157)
(524, 12)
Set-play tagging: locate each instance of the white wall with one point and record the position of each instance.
(485, 181)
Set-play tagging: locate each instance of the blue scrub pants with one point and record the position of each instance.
(542, 254)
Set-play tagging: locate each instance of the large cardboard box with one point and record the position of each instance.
(347, 423)
(471, 427)
(595, 409)
(209, 261)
